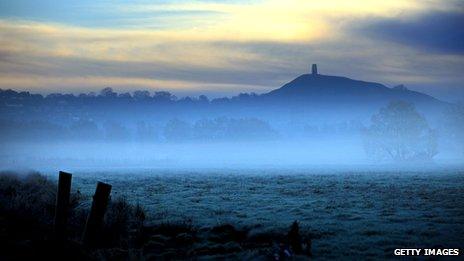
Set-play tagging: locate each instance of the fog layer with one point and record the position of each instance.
(359, 124)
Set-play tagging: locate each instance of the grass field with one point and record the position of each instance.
(347, 213)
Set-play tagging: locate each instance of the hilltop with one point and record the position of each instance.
(317, 88)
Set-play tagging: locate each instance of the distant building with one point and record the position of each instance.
(314, 69)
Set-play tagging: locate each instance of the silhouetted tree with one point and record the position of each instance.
(146, 132)
(125, 95)
(177, 130)
(453, 126)
(206, 129)
(116, 132)
(232, 129)
(108, 93)
(245, 97)
(141, 95)
(203, 99)
(249, 128)
(85, 130)
(224, 100)
(164, 96)
(400, 133)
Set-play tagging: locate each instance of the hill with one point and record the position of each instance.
(321, 89)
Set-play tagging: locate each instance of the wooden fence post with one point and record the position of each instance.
(97, 213)
(62, 204)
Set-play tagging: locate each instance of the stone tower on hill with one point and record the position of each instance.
(314, 69)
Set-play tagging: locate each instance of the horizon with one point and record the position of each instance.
(198, 93)
(222, 48)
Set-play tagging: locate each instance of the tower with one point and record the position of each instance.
(314, 69)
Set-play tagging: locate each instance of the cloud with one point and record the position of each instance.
(220, 47)
(439, 32)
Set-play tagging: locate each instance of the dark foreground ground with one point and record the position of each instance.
(248, 214)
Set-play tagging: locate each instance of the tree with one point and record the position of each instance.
(141, 95)
(203, 99)
(146, 132)
(400, 133)
(177, 130)
(232, 129)
(108, 93)
(84, 129)
(453, 126)
(163, 96)
(115, 132)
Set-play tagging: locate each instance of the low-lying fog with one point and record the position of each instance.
(335, 152)
(248, 131)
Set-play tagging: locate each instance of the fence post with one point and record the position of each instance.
(97, 213)
(62, 204)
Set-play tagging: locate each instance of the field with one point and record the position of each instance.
(347, 213)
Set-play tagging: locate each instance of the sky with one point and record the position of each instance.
(222, 48)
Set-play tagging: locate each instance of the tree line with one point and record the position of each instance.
(174, 130)
(396, 132)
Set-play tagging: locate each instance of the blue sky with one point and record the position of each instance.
(226, 47)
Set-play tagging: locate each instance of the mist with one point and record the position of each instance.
(112, 130)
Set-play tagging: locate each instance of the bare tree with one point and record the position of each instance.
(398, 132)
